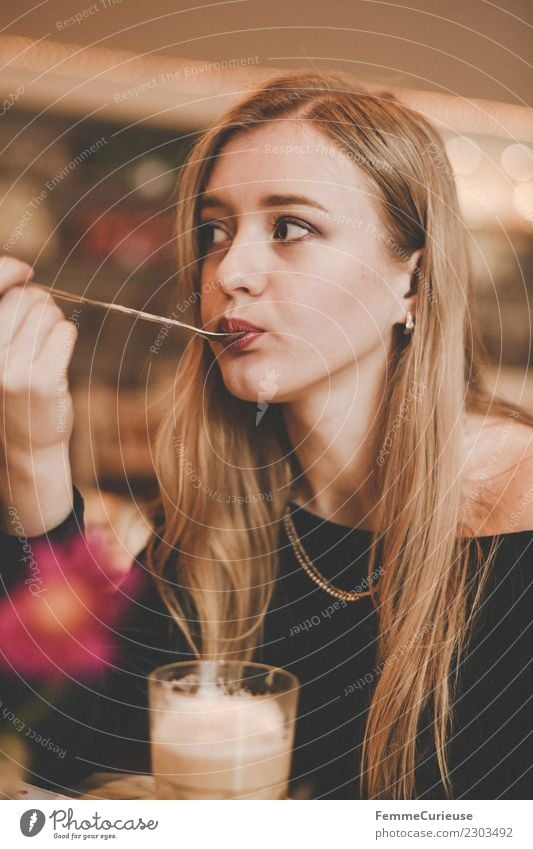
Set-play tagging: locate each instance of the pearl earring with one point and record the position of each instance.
(409, 323)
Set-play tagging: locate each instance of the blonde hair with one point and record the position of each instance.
(214, 552)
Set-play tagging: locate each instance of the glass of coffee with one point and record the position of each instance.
(222, 729)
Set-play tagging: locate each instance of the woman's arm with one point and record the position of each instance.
(86, 720)
(36, 344)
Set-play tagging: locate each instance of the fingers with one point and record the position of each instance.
(40, 374)
(13, 272)
(41, 316)
(26, 312)
(36, 341)
(58, 348)
(36, 345)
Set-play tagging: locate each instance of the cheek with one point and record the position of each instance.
(210, 305)
(328, 308)
(344, 320)
(362, 298)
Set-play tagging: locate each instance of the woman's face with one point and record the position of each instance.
(293, 244)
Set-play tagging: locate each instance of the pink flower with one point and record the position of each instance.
(59, 620)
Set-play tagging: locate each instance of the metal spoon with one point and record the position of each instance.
(158, 319)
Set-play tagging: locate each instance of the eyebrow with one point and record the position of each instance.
(210, 201)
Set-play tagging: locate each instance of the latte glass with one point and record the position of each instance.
(222, 729)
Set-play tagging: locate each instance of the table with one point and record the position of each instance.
(99, 785)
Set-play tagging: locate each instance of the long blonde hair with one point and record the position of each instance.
(223, 492)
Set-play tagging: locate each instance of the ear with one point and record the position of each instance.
(412, 265)
(411, 296)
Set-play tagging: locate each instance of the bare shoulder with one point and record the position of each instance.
(497, 476)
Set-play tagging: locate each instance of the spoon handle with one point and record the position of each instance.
(147, 316)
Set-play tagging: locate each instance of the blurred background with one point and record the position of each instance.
(99, 103)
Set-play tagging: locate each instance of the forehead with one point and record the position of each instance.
(289, 155)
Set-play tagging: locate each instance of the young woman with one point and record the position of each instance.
(338, 493)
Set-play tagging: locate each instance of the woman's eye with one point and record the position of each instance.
(211, 234)
(290, 230)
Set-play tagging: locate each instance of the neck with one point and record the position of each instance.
(333, 434)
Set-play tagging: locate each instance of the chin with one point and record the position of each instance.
(262, 380)
(248, 384)
(259, 395)
(244, 390)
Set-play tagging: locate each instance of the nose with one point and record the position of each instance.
(242, 267)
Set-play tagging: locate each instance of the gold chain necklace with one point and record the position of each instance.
(309, 567)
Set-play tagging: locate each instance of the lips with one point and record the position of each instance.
(249, 333)
(234, 325)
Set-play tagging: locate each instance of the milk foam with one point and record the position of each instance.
(211, 717)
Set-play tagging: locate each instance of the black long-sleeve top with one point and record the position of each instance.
(102, 724)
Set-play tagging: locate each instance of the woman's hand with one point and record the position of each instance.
(36, 345)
